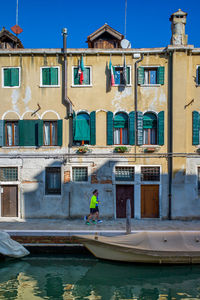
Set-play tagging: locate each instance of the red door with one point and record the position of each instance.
(124, 192)
(9, 201)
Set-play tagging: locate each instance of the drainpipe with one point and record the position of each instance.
(69, 103)
(170, 132)
(136, 97)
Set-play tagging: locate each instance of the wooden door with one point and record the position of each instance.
(9, 201)
(150, 201)
(124, 192)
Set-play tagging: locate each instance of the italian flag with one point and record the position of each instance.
(112, 80)
(81, 69)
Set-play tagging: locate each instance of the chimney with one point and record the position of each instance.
(178, 21)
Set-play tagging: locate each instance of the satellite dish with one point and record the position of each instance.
(125, 44)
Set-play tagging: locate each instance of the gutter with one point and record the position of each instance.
(136, 99)
(69, 103)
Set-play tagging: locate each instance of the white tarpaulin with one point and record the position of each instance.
(10, 247)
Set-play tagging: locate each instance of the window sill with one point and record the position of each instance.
(150, 85)
(49, 86)
(122, 85)
(81, 85)
(11, 87)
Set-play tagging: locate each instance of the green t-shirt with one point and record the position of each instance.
(93, 202)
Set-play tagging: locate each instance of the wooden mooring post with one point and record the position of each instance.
(128, 216)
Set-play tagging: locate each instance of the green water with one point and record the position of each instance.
(83, 277)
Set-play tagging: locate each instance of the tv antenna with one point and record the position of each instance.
(16, 28)
(125, 44)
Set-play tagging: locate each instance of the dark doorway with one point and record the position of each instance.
(124, 192)
(150, 201)
(9, 201)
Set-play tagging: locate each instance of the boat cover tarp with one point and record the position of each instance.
(157, 241)
(9, 247)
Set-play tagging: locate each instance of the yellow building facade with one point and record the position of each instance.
(121, 120)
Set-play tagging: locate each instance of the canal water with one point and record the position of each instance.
(84, 277)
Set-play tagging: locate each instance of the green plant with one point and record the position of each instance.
(82, 149)
(121, 149)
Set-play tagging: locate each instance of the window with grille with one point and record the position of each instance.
(150, 173)
(53, 181)
(124, 173)
(9, 174)
(80, 174)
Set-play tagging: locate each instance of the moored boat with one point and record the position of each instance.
(11, 248)
(173, 247)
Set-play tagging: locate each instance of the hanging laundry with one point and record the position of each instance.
(112, 80)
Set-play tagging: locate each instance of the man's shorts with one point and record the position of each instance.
(93, 210)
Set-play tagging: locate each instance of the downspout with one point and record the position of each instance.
(170, 133)
(69, 103)
(136, 99)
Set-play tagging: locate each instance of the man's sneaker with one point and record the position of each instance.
(87, 223)
(85, 218)
(94, 222)
(99, 221)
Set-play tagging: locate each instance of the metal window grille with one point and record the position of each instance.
(150, 173)
(9, 174)
(124, 173)
(80, 174)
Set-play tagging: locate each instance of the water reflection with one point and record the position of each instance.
(73, 277)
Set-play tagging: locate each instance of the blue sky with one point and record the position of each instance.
(148, 22)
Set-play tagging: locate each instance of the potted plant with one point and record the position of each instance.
(83, 149)
(121, 149)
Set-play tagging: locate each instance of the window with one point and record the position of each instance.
(198, 75)
(149, 129)
(50, 133)
(53, 181)
(151, 75)
(84, 128)
(121, 129)
(80, 174)
(9, 174)
(198, 178)
(119, 75)
(11, 77)
(150, 173)
(11, 133)
(50, 77)
(124, 173)
(86, 77)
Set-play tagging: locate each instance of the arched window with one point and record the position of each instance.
(82, 129)
(121, 129)
(150, 129)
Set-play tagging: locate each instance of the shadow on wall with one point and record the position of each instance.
(63, 190)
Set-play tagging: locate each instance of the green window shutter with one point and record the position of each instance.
(14, 77)
(28, 132)
(198, 75)
(82, 129)
(73, 125)
(59, 132)
(93, 128)
(2, 133)
(46, 76)
(132, 128)
(109, 128)
(39, 127)
(86, 76)
(141, 75)
(54, 76)
(195, 127)
(76, 77)
(161, 123)
(140, 128)
(128, 70)
(7, 77)
(161, 75)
